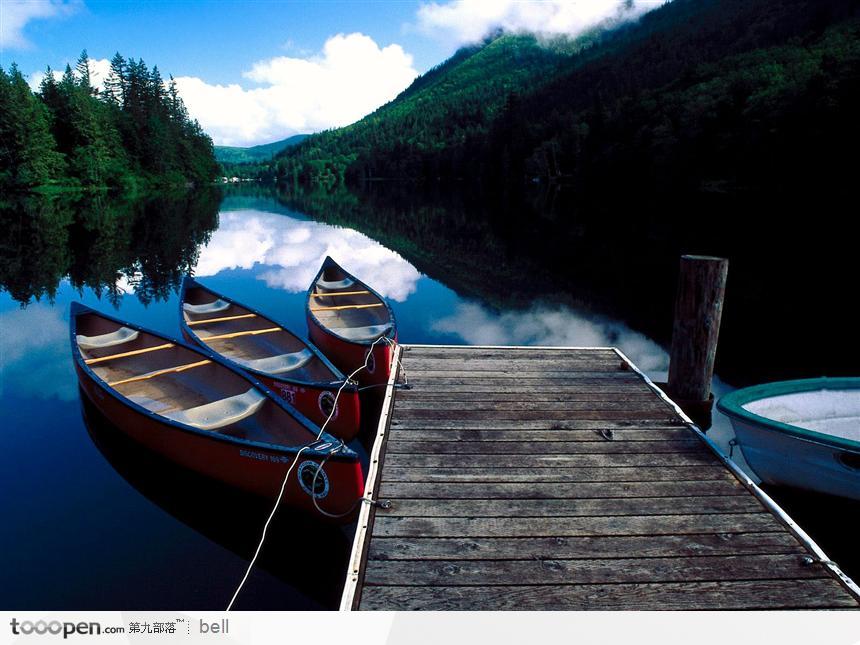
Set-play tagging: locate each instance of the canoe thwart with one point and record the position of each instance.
(134, 352)
(167, 370)
(191, 323)
(340, 293)
(236, 334)
(368, 306)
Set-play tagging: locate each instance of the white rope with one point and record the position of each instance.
(346, 381)
(265, 528)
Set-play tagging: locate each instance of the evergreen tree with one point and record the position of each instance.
(28, 155)
(82, 69)
(114, 85)
(136, 129)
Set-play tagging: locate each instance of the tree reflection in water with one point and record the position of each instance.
(102, 242)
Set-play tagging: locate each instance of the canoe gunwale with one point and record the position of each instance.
(332, 386)
(391, 334)
(732, 406)
(344, 453)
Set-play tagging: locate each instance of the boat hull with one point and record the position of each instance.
(348, 356)
(785, 460)
(314, 402)
(253, 468)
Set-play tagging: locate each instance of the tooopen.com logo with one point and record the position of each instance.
(55, 628)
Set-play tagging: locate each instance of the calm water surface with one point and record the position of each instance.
(89, 522)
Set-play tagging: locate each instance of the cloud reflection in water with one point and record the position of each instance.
(293, 251)
(34, 353)
(542, 325)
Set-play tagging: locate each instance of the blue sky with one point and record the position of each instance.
(215, 40)
(257, 71)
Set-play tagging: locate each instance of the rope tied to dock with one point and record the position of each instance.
(349, 380)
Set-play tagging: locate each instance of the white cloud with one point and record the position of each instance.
(465, 21)
(350, 78)
(561, 326)
(291, 252)
(15, 14)
(99, 70)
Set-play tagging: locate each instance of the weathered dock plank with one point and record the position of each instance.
(522, 478)
(540, 424)
(649, 435)
(571, 526)
(569, 548)
(419, 507)
(591, 571)
(556, 475)
(527, 448)
(578, 490)
(549, 460)
(819, 593)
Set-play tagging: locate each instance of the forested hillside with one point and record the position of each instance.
(421, 132)
(252, 154)
(134, 133)
(712, 94)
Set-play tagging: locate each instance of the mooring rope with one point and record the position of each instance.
(347, 380)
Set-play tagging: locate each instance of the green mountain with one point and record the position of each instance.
(452, 103)
(720, 94)
(263, 152)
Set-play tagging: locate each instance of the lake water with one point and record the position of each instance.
(90, 523)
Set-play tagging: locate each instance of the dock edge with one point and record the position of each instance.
(754, 488)
(365, 520)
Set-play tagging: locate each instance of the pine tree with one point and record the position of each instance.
(49, 90)
(135, 129)
(28, 155)
(114, 85)
(82, 67)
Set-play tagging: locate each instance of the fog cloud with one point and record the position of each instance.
(467, 21)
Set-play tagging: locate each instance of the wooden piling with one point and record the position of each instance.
(696, 329)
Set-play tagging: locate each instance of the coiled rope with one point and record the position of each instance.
(347, 380)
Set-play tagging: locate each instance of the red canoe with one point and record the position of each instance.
(347, 320)
(203, 414)
(288, 365)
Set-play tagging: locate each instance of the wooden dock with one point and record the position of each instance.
(562, 478)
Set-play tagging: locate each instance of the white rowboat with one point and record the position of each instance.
(804, 433)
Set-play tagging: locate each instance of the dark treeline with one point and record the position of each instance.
(755, 94)
(97, 240)
(710, 94)
(135, 132)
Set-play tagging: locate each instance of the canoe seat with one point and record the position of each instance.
(278, 364)
(218, 414)
(118, 337)
(368, 332)
(207, 307)
(339, 284)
